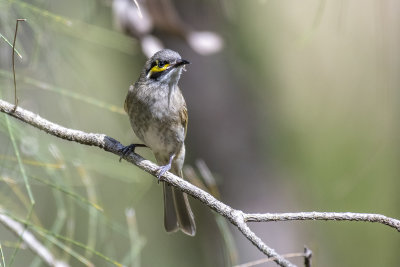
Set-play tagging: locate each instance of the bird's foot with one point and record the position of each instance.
(126, 150)
(163, 169)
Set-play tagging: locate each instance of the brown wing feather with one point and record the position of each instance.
(184, 117)
(129, 97)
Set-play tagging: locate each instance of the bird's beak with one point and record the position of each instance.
(181, 62)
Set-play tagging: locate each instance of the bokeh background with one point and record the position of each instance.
(298, 111)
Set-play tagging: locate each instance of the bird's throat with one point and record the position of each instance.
(171, 91)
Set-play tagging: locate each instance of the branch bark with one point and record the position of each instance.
(323, 216)
(236, 217)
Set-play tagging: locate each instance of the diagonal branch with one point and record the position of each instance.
(236, 217)
(111, 145)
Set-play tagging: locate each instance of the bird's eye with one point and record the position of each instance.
(161, 63)
(157, 67)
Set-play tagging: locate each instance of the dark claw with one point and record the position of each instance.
(126, 150)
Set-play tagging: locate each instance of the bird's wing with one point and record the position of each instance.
(184, 117)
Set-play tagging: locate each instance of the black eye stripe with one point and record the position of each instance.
(161, 63)
(152, 65)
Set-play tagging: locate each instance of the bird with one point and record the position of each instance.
(158, 115)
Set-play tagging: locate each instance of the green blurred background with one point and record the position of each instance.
(298, 112)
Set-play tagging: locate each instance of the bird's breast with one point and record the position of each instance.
(156, 121)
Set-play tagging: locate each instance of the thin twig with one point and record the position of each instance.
(13, 63)
(138, 8)
(230, 248)
(2, 257)
(258, 262)
(208, 178)
(10, 44)
(136, 241)
(307, 257)
(236, 217)
(324, 216)
(20, 239)
(30, 240)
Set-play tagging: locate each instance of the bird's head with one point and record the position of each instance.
(164, 66)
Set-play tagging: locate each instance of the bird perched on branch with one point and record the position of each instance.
(158, 116)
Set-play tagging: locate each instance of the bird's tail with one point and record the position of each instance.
(177, 211)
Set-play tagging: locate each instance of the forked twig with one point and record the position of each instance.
(306, 254)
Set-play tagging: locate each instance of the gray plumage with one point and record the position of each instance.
(158, 116)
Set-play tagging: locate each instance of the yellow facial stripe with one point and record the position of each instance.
(156, 68)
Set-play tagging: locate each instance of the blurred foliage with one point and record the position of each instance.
(322, 79)
(87, 207)
(70, 73)
(329, 89)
